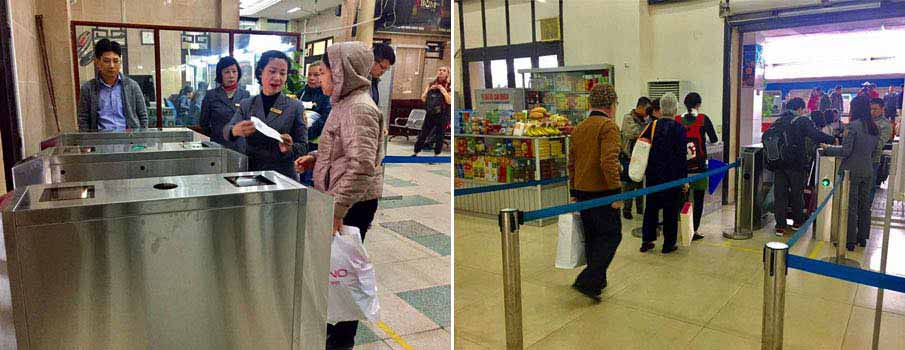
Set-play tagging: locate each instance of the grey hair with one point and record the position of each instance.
(669, 105)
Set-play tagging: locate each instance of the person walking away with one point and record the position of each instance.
(859, 145)
(278, 111)
(697, 125)
(885, 127)
(892, 103)
(347, 163)
(666, 162)
(632, 124)
(814, 100)
(593, 173)
(824, 103)
(220, 104)
(111, 100)
(437, 102)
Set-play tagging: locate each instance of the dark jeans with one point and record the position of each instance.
(859, 209)
(602, 233)
(698, 204)
(671, 202)
(787, 190)
(360, 215)
(434, 127)
(639, 201)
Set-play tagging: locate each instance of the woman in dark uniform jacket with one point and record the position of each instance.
(220, 104)
(280, 112)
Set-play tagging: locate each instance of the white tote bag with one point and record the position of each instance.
(352, 282)
(686, 225)
(570, 245)
(641, 153)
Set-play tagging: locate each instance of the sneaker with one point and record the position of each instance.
(862, 242)
(780, 232)
(697, 237)
(647, 246)
(667, 250)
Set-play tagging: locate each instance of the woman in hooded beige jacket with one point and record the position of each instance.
(348, 161)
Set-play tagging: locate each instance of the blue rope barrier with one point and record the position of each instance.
(411, 160)
(593, 203)
(810, 221)
(509, 186)
(846, 273)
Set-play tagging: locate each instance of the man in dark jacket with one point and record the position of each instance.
(790, 181)
(666, 163)
(312, 93)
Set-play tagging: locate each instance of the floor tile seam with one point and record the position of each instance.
(738, 290)
(652, 312)
(575, 316)
(848, 323)
(873, 307)
(735, 333)
(691, 341)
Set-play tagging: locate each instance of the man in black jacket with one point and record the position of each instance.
(666, 163)
(789, 181)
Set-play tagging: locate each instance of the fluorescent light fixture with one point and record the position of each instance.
(818, 55)
(251, 7)
(294, 9)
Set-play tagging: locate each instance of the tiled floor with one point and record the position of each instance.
(409, 243)
(707, 296)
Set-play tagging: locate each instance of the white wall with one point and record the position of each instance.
(324, 20)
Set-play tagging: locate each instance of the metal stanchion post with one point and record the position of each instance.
(842, 228)
(510, 219)
(775, 268)
(744, 195)
(891, 194)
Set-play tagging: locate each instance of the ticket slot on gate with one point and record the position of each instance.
(67, 193)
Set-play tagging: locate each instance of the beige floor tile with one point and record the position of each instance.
(378, 345)
(861, 327)
(436, 268)
(710, 339)
(433, 340)
(473, 286)
(611, 326)
(379, 234)
(677, 293)
(545, 309)
(892, 301)
(403, 320)
(395, 250)
(462, 343)
(400, 276)
(809, 322)
(808, 284)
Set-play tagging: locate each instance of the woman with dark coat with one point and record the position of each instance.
(219, 104)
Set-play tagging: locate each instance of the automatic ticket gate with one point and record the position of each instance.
(202, 262)
(131, 136)
(827, 171)
(751, 192)
(126, 161)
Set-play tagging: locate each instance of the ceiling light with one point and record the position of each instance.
(294, 9)
(251, 7)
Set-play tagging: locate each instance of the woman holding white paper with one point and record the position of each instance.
(277, 135)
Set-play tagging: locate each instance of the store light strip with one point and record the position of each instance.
(294, 9)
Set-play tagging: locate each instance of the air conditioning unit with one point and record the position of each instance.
(658, 88)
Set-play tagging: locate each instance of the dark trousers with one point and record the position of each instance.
(360, 215)
(698, 204)
(788, 187)
(670, 201)
(859, 209)
(433, 128)
(639, 201)
(602, 233)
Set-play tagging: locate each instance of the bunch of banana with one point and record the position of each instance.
(537, 113)
(539, 131)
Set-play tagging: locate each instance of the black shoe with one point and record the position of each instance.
(627, 215)
(647, 246)
(850, 247)
(640, 211)
(697, 237)
(414, 154)
(667, 250)
(862, 242)
(587, 292)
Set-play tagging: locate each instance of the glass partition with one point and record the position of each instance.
(188, 69)
(249, 48)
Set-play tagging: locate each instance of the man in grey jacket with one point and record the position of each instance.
(111, 101)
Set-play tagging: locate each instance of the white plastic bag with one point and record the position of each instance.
(570, 251)
(686, 225)
(352, 282)
(637, 166)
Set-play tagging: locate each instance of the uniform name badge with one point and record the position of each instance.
(276, 111)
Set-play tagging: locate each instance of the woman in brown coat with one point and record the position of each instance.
(347, 162)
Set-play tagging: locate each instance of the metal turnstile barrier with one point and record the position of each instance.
(131, 136)
(126, 161)
(827, 171)
(203, 262)
(749, 203)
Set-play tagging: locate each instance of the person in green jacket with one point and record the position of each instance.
(876, 112)
(632, 125)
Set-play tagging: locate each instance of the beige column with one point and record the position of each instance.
(365, 31)
(349, 8)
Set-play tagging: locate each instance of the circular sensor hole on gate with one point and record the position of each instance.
(165, 186)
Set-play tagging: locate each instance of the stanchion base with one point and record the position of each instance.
(637, 232)
(843, 261)
(738, 235)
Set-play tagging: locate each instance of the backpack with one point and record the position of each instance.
(780, 146)
(694, 136)
(435, 102)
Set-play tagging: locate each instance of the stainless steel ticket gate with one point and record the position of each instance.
(131, 136)
(126, 161)
(751, 192)
(201, 262)
(827, 171)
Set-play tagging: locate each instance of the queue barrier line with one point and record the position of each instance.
(509, 186)
(810, 221)
(414, 160)
(593, 203)
(847, 273)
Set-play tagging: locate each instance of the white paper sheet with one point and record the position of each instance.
(266, 130)
(308, 105)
